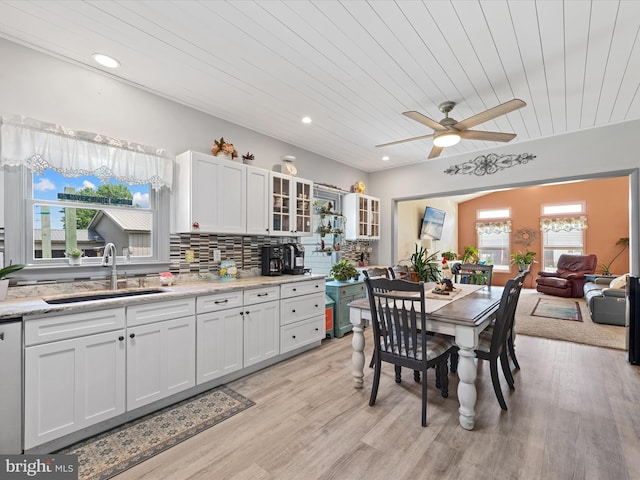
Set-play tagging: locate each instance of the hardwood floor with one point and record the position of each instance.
(575, 414)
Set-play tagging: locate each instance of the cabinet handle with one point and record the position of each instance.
(132, 335)
(247, 312)
(218, 302)
(316, 305)
(293, 336)
(295, 289)
(121, 338)
(293, 311)
(1, 335)
(242, 313)
(263, 295)
(317, 329)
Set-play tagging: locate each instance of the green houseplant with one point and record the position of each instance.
(523, 260)
(343, 271)
(449, 255)
(4, 274)
(470, 255)
(75, 257)
(624, 243)
(425, 266)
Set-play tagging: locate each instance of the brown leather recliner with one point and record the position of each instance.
(569, 278)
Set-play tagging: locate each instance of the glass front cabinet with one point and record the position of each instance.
(291, 201)
(363, 217)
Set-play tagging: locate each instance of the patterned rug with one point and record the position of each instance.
(549, 308)
(113, 452)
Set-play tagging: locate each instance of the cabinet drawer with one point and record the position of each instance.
(300, 308)
(159, 311)
(350, 290)
(72, 325)
(219, 301)
(301, 288)
(301, 333)
(260, 295)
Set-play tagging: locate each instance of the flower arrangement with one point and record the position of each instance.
(166, 278)
(224, 147)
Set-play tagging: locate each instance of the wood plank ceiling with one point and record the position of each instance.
(355, 66)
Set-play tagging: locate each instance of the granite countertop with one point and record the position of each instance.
(35, 305)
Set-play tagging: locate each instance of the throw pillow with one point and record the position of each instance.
(619, 282)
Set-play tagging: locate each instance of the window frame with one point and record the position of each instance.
(18, 188)
(488, 219)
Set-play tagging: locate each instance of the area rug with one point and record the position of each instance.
(585, 332)
(110, 453)
(551, 308)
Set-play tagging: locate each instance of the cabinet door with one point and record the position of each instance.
(219, 343)
(304, 201)
(212, 197)
(160, 360)
(374, 218)
(257, 201)
(281, 217)
(261, 332)
(72, 384)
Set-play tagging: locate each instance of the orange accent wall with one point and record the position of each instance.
(607, 208)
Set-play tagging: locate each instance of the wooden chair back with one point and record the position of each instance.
(376, 272)
(400, 272)
(474, 273)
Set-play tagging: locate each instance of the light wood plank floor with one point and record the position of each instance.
(575, 414)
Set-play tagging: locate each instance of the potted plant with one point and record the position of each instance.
(470, 255)
(248, 158)
(74, 256)
(424, 266)
(224, 149)
(343, 271)
(448, 256)
(523, 260)
(4, 274)
(624, 243)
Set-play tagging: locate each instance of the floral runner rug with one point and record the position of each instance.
(112, 452)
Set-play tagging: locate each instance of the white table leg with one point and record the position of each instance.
(467, 372)
(357, 342)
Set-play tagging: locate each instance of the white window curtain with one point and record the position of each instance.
(566, 224)
(484, 228)
(40, 146)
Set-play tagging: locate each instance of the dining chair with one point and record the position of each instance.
(400, 337)
(474, 273)
(400, 272)
(376, 272)
(492, 346)
(470, 273)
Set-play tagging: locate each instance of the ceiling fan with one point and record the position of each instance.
(448, 131)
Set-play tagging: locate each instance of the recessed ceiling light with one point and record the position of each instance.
(106, 60)
(306, 119)
(385, 158)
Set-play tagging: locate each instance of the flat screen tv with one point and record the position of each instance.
(432, 223)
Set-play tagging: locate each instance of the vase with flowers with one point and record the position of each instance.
(224, 149)
(247, 158)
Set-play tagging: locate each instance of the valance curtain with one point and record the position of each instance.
(40, 146)
(565, 224)
(483, 228)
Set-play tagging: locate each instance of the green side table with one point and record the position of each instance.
(343, 293)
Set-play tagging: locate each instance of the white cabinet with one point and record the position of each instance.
(363, 216)
(261, 325)
(257, 201)
(210, 194)
(161, 354)
(219, 335)
(75, 381)
(290, 205)
(302, 314)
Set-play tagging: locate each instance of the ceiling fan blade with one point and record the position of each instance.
(418, 117)
(490, 114)
(405, 140)
(488, 136)
(435, 152)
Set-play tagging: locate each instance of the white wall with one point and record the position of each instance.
(410, 215)
(48, 89)
(584, 154)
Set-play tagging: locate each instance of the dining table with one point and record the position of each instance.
(463, 315)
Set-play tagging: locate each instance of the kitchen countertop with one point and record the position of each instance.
(25, 306)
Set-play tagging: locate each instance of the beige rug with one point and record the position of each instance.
(586, 332)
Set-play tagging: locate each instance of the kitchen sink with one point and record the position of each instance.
(102, 296)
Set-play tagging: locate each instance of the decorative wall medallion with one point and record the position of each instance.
(489, 164)
(525, 236)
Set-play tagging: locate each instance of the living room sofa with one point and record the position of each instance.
(606, 299)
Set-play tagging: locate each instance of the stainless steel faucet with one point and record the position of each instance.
(110, 251)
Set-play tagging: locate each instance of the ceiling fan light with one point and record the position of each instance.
(446, 139)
